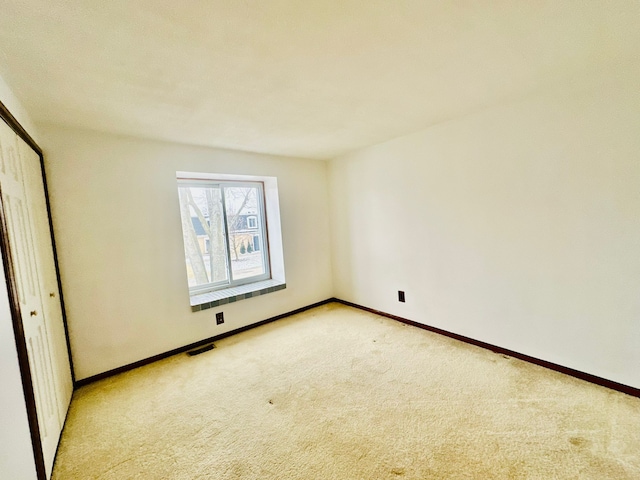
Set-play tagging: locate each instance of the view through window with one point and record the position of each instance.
(224, 232)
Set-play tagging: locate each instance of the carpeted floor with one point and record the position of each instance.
(337, 393)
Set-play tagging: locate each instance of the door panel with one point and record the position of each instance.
(17, 186)
(48, 279)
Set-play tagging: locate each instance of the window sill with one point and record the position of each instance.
(204, 301)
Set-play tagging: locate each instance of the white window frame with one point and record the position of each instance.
(222, 184)
(255, 222)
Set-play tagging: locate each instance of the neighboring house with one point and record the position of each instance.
(245, 234)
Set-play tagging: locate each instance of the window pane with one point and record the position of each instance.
(244, 216)
(203, 234)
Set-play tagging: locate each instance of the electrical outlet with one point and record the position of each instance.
(219, 318)
(400, 296)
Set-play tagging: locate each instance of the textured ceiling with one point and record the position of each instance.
(302, 78)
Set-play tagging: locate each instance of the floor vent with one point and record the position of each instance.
(200, 350)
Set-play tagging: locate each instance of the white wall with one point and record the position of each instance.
(16, 451)
(16, 108)
(117, 226)
(518, 226)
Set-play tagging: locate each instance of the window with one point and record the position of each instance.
(232, 239)
(219, 223)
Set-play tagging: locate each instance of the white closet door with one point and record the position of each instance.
(16, 184)
(49, 292)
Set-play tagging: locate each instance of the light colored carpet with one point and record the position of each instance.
(337, 393)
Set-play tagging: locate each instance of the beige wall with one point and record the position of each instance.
(524, 222)
(17, 109)
(117, 225)
(16, 452)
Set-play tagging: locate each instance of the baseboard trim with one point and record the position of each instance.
(185, 348)
(603, 382)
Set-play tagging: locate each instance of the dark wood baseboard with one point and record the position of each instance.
(635, 392)
(191, 346)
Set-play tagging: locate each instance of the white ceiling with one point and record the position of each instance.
(308, 78)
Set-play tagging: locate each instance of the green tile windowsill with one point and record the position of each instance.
(207, 300)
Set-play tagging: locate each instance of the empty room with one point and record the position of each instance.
(324, 239)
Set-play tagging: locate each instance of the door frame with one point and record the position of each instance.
(14, 304)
